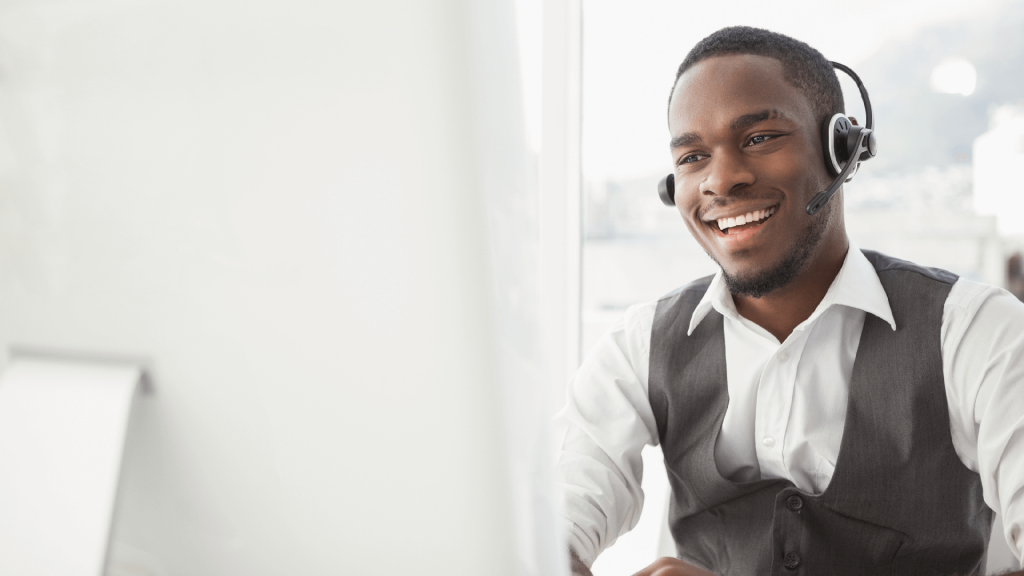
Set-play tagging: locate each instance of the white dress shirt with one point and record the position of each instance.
(787, 401)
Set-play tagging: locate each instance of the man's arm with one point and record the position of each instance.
(605, 425)
(674, 567)
(660, 567)
(983, 365)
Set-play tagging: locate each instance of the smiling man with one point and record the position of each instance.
(822, 410)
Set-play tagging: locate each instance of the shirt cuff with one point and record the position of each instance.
(581, 544)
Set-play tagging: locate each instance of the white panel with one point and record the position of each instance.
(514, 215)
(560, 189)
(279, 202)
(62, 427)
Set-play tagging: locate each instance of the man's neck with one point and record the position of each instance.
(781, 311)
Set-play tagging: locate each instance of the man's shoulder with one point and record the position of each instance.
(639, 317)
(698, 286)
(887, 265)
(998, 309)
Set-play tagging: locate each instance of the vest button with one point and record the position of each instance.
(791, 560)
(795, 503)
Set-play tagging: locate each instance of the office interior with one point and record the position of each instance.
(296, 287)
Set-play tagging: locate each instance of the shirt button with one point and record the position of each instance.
(769, 442)
(795, 503)
(783, 356)
(791, 560)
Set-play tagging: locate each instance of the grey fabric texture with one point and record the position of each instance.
(900, 500)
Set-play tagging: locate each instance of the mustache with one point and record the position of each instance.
(733, 199)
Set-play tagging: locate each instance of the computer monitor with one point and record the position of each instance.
(277, 205)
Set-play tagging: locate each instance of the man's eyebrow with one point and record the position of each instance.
(738, 123)
(748, 120)
(685, 140)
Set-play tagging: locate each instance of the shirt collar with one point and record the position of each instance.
(857, 286)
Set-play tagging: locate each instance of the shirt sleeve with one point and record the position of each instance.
(607, 421)
(983, 365)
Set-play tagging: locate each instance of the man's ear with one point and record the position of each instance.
(853, 121)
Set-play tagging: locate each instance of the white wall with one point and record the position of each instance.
(279, 203)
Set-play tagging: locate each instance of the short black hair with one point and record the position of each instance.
(803, 67)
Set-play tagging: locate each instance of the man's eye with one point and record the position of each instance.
(761, 138)
(692, 158)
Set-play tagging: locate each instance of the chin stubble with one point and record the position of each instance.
(763, 282)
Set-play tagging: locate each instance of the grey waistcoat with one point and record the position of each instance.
(900, 500)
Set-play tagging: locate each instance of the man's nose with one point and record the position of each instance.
(727, 172)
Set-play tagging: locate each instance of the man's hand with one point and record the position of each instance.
(577, 566)
(672, 567)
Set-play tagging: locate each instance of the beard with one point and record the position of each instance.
(763, 282)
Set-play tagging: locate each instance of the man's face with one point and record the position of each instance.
(748, 159)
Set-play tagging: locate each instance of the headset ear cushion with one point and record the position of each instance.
(826, 133)
(667, 190)
(833, 142)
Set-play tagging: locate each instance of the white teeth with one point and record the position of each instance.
(726, 223)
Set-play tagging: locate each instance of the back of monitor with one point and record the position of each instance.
(277, 205)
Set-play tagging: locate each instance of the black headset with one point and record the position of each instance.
(841, 142)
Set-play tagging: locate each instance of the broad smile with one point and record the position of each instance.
(739, 224)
